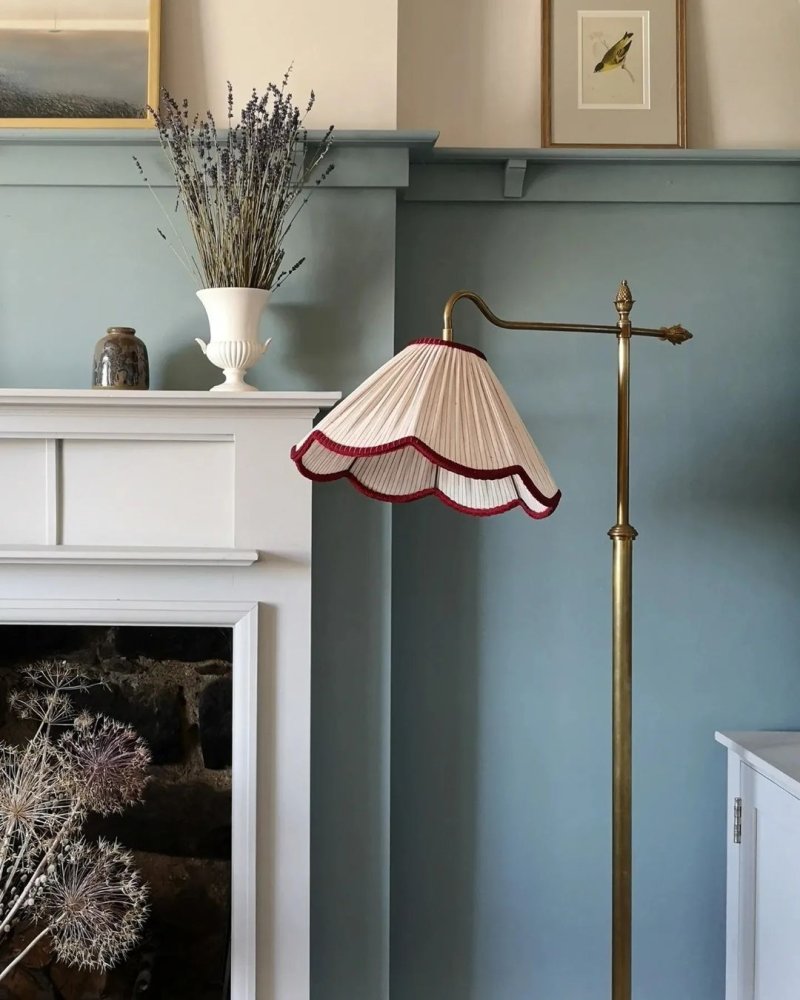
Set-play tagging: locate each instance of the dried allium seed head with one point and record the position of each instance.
(34, 802)
(57, 675)
(53, 707)
(106, 764)
(94, 903)
(83, 721)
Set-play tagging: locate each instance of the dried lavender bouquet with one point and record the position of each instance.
(241, 189)
(86, 900)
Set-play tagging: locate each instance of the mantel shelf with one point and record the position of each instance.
(89, 555)
(155, 399)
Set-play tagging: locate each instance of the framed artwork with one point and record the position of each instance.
(614, 73)
(78, 63)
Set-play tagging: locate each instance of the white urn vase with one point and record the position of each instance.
(234, 320)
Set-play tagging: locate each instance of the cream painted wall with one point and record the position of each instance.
(346, 50)
(471, 68)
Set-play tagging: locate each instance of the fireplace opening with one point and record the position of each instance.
(173, 686)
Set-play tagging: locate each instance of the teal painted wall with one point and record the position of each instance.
(501, 678)
(78, 253)
(499, 629)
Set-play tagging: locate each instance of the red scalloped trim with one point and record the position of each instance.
(438, 342)
(297, 457)
(537, 515)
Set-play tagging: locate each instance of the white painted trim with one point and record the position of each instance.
(732, 908)
(141, 398)
(101, 435)
(244, 805)
(224, 614)
(101, 555)
(52, 491)
(243, 618)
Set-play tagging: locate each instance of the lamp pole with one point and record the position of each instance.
(622, 537)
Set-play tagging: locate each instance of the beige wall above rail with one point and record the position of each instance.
(471, 68)
(345, 50)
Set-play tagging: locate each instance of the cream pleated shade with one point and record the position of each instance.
(433, 421)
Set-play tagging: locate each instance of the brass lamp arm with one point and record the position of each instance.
(674, 334)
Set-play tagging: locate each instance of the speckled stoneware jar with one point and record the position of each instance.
(120, 361)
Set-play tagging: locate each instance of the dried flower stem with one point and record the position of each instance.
(24, 952)
(46, 858)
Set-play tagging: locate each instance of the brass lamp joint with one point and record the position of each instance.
(623, 532)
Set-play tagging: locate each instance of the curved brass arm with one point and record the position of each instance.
(674, 334)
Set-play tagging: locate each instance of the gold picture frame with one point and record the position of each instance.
(19, 93)
(585, 73)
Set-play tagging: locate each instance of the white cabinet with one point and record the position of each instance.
(763, 906)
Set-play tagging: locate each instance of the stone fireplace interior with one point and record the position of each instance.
(173, 685)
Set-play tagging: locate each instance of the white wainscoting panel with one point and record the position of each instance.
(123, 492)
(23, 496)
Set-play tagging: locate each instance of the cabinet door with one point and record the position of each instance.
(769, 891)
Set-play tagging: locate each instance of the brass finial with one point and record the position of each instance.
(623, 303)
(675, 334)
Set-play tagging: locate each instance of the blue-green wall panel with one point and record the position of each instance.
(501, 627)
(350, 746)
(76, 259)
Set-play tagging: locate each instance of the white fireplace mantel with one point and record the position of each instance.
(184, 508)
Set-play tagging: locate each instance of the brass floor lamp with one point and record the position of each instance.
(435, 421)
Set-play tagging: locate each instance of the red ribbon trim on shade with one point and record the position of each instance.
(438, 342)
(433, 492)
(297, 455)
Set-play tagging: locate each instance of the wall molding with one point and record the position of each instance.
(432, 153)
(616, 176)
(104, 158)
(410, 162)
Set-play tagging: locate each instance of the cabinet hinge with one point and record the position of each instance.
(737, 821)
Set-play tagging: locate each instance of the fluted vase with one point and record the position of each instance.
(234, 321)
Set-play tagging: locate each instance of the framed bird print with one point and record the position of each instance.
(78, 63)
(614, 73)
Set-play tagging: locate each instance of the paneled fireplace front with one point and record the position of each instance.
(163, 541)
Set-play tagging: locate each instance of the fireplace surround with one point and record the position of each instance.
(183, 509)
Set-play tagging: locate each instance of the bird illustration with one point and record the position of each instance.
(616, 55)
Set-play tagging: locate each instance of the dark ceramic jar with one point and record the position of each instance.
(120, 361)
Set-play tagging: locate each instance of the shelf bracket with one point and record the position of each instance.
(514, 178)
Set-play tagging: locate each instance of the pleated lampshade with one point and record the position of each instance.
(433, 421)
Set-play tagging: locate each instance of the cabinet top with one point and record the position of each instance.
(776, 755)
